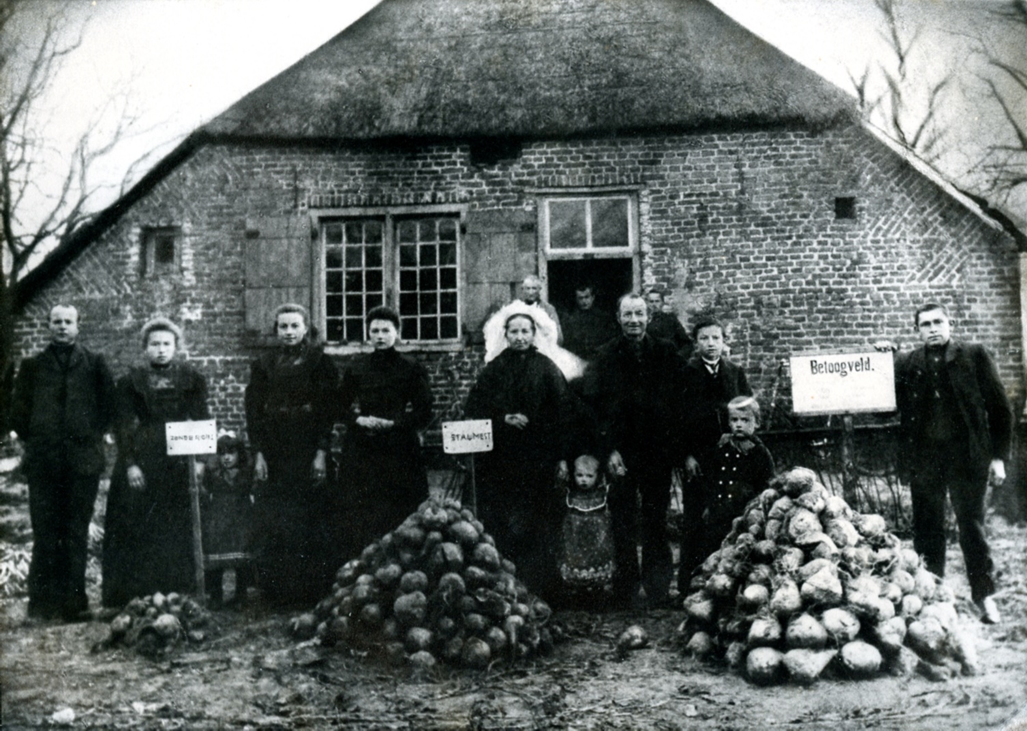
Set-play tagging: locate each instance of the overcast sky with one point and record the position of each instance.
(184, 61)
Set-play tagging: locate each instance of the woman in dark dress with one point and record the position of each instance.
(526, 397)
(289, 417)
(147, 543)
(386, 400)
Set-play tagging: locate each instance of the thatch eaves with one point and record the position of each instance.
(534, 68)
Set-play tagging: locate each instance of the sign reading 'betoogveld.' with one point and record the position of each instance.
(464, 437)
(191, 437)
(843, 383)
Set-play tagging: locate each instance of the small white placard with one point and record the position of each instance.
(843, 383)
(464, 437)
(191, 437)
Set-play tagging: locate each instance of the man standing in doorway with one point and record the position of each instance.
(666, 325)
(635, 388)
(531, 294)
(956, 429)
(587, 328)
(63, 405)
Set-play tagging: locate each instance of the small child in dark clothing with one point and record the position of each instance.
(741, 469)
(227, 516)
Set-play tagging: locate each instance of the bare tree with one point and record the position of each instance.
(1004, 162)
(893, 98)
(33, 217)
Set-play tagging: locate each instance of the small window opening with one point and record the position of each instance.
(160, 255)
(494, 151)
(845, 207)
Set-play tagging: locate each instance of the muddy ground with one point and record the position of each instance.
(251, 674)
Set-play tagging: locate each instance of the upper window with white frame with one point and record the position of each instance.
(409, 262)
(587, 223)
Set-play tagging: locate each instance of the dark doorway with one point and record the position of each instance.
(610, 277)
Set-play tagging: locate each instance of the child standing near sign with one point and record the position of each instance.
(227, 515)
(740, 469)
(147, 544)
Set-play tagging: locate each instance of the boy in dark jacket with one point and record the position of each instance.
(711, 381)
(741, 467)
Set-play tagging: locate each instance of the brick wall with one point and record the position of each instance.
(739, 224)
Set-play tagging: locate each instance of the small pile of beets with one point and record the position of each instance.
(803, 586)
(433, 589)
(157, 621)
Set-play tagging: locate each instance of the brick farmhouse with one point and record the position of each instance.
(436, 151)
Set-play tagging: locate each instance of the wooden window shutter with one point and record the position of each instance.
(499, 250)
(277, 252)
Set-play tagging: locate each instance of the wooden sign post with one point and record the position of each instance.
(844, 383)
(468, 437)
(189, 438)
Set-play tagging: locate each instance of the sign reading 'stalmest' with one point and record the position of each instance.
(843, 383)
(467, 437)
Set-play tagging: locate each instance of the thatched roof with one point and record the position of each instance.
(534, 68)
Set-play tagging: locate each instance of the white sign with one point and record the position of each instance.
(843, 383)
(191, 437)
(464, 437)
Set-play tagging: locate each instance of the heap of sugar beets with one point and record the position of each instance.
(157, 621)
(435, 588)
(803, 586)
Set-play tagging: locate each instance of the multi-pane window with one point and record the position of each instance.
(427, 278)
(588, 223)
(409, 263)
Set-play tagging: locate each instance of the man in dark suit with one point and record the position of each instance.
(666, 325)
(586, 328)
(63, 405)
(711, 380)
(956, 429)
(634, 386)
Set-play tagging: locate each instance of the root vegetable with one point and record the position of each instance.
(780, 509)
(788, 560)
(464, 533)
(409, 609)
(735, 654)
(802, 522)
(413, 581)
(700, 606)
(804, 631)
(497, 640)
(871, 525)
(840, 624)
(754, 596)
(421, 663)
(811, 567)
(168, 626)
(764, 631)
(786, 599)
(823, 588)
(445, 558)
(486, 556)
(860, 659)
(763, 665)
(418, 639)
(889, 635)
(720, 586)
(700, 645)
(927, 638)
(763, 551)
(842, 532)
(911, 606)
(389, 575)
(835, 507)
(476, 653)
(804, 666)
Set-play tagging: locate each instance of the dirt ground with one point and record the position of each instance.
(251, 675)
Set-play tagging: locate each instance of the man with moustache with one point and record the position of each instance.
(635, 389)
